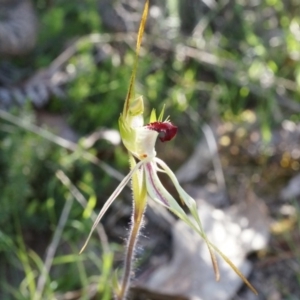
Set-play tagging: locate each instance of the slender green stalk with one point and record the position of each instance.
(137, 221)
(22, 253)
(41, 282)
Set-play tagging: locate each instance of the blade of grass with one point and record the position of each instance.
(24, 259)
(52, 248)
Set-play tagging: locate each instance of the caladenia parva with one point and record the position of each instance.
(140, 139)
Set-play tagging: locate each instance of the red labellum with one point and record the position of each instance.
(166, 130)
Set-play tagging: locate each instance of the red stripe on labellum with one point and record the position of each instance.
(166, 130)
(159, 196)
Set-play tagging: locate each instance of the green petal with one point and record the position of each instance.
(138, 187)
(185, 197)
(128, 135)
(153, 116)
(110, 200)
(137, 107)
(159, 194)
(190, 202)
(161, 115)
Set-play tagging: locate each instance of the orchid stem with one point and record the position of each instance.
(137, 221)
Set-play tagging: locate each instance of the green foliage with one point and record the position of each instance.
(96, 94)
(21, 164)
(255, 51)
(32, 199)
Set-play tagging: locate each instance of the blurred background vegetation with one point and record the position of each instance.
(209, 62)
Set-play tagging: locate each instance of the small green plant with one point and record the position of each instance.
(139, 139)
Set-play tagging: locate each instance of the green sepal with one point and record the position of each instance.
(136, 107)
(139, 188)
(161, 116)
(128, 134)
(153, 116)
(191, 204)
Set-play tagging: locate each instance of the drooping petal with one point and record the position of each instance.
(154, 187)
(139, 189)
(234, 268)
(110, 200)
(190, 202)
(159, 194)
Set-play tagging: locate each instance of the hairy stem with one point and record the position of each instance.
(137, 220)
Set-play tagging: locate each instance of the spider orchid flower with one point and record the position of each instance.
(139, 140)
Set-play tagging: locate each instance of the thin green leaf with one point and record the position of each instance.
(153, 116)
(161, 115)
(110, 200)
